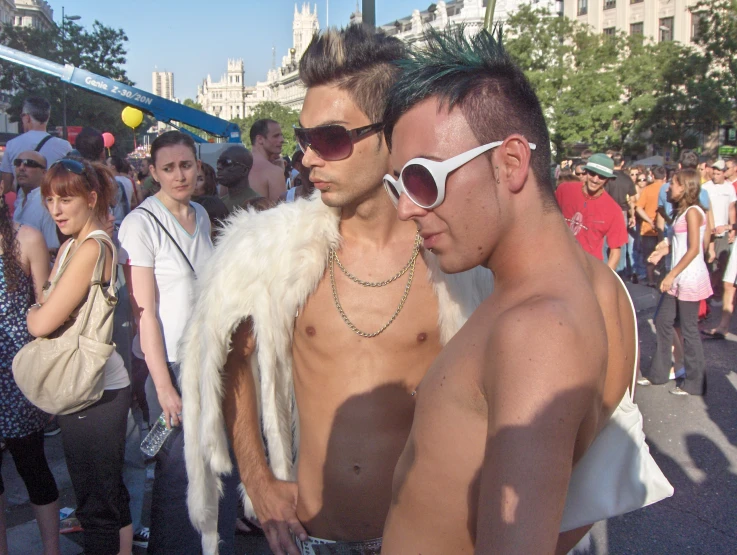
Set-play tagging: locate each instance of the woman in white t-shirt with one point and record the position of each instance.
(164, 243)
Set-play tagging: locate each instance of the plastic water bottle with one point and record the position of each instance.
(156, 437)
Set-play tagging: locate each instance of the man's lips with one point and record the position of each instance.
(429, 239)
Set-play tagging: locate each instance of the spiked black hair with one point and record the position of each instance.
(476, 75)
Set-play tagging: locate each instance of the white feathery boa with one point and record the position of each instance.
(266, 265)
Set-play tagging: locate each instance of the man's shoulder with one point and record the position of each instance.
(558, 335)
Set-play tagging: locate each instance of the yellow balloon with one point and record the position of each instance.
(132, 117)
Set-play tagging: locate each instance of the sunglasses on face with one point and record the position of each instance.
(591, 173)
(332, 142)
(228, 162)
(27, 162)
(424, 180)
(580, 174)
(641, 180)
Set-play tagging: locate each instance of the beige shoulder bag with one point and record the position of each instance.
(63, 373)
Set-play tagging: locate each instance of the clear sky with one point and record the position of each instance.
(196, 38)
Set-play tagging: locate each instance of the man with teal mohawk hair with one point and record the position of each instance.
(525, 401)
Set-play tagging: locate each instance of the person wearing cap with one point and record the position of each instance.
(722, 197)
(591, 213)
(647, 210)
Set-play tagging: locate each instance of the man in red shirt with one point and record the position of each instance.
(591, 213)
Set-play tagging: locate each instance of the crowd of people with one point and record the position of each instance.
(323, 350)
(634, 218)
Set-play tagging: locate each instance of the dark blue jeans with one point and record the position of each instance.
(172, 532)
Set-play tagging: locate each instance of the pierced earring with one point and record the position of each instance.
(497, 175)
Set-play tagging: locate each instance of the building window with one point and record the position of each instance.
(583, 7)
(695, 18)
(610, 31)
(610, 4)
(637, 28)
(666, 29)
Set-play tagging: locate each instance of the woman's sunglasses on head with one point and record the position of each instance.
(70, 165)
(332, 142)
(424, 180)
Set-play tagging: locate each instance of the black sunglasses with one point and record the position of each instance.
(228, 162)
(27, 162)
(332, 142)
(70, 165)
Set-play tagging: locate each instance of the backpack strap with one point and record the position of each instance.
(40, 145)
(170, 237)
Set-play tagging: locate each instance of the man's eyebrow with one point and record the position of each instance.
(329, 122)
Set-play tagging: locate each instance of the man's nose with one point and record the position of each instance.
(408, 210)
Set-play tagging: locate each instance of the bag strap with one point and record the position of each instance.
(637, 339)
(170, 237)
(40, 145)
(101, 237)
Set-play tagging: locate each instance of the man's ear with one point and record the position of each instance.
(515, 157)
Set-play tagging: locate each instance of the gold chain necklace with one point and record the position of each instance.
(410, 267)
(418, 243)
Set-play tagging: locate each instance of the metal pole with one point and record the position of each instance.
(489, 18)
(369, 13)
(63, 85)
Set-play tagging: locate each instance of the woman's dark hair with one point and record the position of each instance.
(11, 249)
(690, 180)
(171, 138)
(211, 183)
(64, 182)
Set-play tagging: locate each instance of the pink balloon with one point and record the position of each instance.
(108, 139)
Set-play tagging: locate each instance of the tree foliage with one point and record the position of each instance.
(100, 49)
(286, 118)
(717, 35)
(620, 91)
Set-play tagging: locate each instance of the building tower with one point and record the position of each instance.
(162, 84)
(235, 73)
(305, 25)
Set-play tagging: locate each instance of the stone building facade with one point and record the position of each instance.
(659, 20)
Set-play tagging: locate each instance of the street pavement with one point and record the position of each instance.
(693, 439)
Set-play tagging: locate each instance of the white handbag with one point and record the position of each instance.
(617, 474)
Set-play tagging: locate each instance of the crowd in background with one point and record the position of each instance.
(670, 228)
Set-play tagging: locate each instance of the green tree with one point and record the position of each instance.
(717, 35)
(192, 104)
(100, 49)
(286, 118)
(688, 103)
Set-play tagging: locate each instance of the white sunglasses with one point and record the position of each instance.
(424, 180)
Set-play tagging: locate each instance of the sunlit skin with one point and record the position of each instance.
(266, 178)
(500, 419)
(353, 394)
